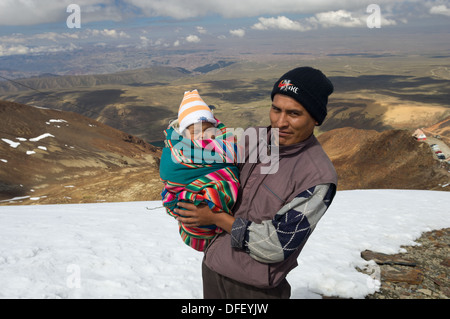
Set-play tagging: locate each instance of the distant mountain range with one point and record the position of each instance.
(142, 102)
(150, 76)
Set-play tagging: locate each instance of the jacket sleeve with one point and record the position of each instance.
(275, 240)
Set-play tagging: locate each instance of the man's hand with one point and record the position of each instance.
(201, 215)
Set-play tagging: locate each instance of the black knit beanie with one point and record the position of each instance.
(308, 86)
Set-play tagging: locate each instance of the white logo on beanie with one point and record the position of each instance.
(286, 85)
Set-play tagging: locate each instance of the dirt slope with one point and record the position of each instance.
(389, 159)
(51, 156)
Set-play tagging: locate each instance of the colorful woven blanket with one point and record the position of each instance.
(199, 171)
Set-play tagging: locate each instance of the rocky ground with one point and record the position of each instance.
(422, 272)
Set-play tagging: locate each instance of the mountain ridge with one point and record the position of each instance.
(58, 156)
(163, 74)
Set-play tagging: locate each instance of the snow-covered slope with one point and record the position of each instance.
(126, 250)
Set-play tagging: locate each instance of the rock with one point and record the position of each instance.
(425, 291)
(384, 259)
(413, 276)
(429, 278)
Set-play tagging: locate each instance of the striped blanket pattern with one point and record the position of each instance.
(191, 179)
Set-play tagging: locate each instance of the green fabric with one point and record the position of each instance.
(175, 172)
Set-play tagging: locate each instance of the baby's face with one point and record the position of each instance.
(200, 131)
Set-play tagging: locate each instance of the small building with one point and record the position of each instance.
(419, 135)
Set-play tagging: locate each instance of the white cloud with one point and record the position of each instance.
(6, 50)
(325, 13)
(41, 37)
(339, 18)
(441, 9)
(55, 37)
(159, 42)
(109, 33)
(14, 38)
(192, 39)
(201, 30)
(329, 19)
(281, 23)
(145, 42)
(29, 12)
(182, 9)
(346, 19)
(13, 49)
(240, 33)
(48, 42)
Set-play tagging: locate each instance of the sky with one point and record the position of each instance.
(30, 27)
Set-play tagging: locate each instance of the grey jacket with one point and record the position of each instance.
(275, 215)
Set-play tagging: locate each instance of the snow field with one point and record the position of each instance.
(124, 250)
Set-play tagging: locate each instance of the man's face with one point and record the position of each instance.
(294, 122)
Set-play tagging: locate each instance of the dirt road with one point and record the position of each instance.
(438, 141)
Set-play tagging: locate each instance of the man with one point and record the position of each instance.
(275, 213)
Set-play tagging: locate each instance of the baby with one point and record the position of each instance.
(193, 178)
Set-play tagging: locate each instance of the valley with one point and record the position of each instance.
(386, 92)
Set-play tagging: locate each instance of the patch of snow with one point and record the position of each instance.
(37, 198)
(40, 137)
(14, 199)
(11, 143)
(40, 107)
(57, 121)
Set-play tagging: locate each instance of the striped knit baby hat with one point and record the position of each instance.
(194, 110)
